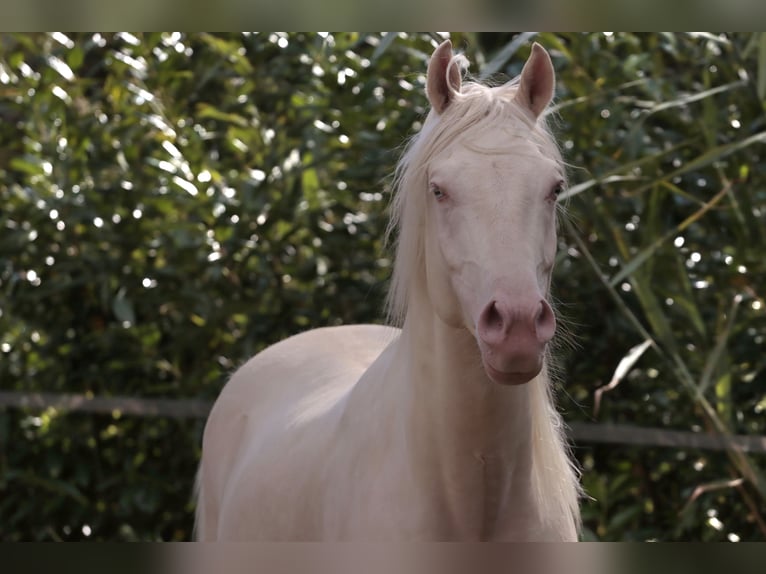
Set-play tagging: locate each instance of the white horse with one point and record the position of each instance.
(445, 429)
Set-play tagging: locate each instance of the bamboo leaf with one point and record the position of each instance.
(716, 354)
(383, 45)
(631, 267)
(762, 68)
(500, 59)
(691, 98)
(709, 157)
(623, 368)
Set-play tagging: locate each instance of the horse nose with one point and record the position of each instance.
(501, 324)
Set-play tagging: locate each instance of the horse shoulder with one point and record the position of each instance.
(276, 401)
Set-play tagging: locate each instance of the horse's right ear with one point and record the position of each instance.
(443, 80)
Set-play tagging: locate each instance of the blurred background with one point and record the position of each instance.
(170, 204)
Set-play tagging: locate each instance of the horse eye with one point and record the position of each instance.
(438, 193)
(557, 190)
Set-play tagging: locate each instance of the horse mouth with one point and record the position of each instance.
(509, 377)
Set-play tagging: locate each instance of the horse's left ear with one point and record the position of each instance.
(538, 81)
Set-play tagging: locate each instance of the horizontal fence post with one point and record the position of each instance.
(579, 432)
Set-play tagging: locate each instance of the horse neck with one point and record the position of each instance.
(454, 404)
(469, 440)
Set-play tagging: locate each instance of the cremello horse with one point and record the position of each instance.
(445, 429)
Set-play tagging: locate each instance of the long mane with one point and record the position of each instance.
(476, 107)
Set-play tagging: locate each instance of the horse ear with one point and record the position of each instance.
(443, 80)
(538, 81)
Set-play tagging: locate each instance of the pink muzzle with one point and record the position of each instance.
(512, 339)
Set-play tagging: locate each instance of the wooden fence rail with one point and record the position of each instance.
(580, 432)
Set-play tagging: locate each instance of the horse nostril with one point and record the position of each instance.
(493, 317)
(545, 322)
(491, 324)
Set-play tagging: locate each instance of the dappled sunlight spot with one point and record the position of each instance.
(61, 68)
(61, 94)
(172, 149)
(693, 259)
(714, 522)
(280, 39)
(138, 65)
(63, 39)
(292, 160)
(367, 197)
(98, 222)
(160, 54)
(187, 186)
(27, 71)
(31, 276)
(166, 166)
(160, 124)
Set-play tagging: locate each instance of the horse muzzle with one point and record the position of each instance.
(512, 339)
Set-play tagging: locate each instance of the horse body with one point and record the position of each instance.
(445, 429)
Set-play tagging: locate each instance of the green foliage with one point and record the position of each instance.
(171, 204)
